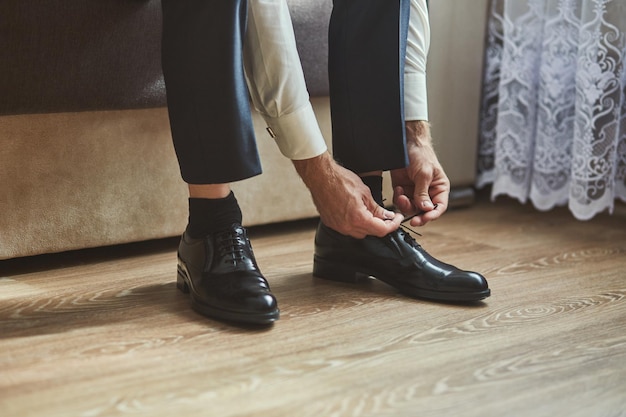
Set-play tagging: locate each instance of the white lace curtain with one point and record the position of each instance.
(553, 119)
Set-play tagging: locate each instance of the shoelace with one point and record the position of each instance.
(406, 229)
(406, 235)
(232, 246)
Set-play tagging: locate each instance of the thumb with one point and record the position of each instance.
(421, 197)
(383, 222)
(381, 213)
(374, 208)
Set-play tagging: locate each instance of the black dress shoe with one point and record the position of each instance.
(397, 260)
(222, 275)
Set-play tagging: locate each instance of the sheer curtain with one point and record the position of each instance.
(553, 118)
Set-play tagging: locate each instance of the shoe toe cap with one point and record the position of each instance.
(259, 303)
(467, 281)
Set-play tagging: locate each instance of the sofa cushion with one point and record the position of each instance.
(77, 55)
(310, 21)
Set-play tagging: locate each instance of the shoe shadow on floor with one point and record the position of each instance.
(298, 295)
(304, 294)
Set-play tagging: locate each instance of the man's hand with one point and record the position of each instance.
(422, 188)
(344, 203)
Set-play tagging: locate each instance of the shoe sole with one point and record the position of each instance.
(183, 284)
(352, 274)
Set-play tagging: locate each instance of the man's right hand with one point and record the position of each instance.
(344, 203)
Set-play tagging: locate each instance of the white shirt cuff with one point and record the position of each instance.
(415, 97)
(297, 134)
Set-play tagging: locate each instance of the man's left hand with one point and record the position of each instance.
(421, 189)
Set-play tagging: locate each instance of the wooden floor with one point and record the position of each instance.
(106, 333)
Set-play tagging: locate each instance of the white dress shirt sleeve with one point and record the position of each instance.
(276, 81)
(418, 43)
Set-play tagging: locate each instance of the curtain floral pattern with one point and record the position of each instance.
(553, 118)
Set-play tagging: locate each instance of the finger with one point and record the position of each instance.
(380, 228)
(402, 202)
(425, 217)
(421, 197)
(376, 220)
(381, 213)
(440, 196)
(368, 225)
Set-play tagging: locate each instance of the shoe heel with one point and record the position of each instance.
(181, 279)
(334, 272)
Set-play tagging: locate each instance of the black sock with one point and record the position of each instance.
(375, 184)
(212, 215)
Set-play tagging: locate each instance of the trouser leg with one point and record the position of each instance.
(367, 46)
(207, 96)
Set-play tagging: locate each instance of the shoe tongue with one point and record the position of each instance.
(234, 228)
(234, 233)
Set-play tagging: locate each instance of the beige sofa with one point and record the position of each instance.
(78, 176)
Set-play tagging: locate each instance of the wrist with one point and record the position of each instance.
(418, 132)
(313, 169)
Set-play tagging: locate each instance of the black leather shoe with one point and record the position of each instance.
(397, 260)
(222, 276)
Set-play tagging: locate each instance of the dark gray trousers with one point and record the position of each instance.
(208, 101)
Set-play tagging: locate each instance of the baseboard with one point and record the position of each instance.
(462, 197)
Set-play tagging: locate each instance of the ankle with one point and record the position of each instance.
(209, 191)
(208, 215)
